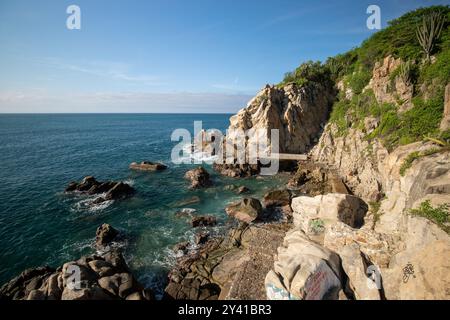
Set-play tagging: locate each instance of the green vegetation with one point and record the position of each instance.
(427, 78)
(317, 226)
(309, 72)
(439, 215)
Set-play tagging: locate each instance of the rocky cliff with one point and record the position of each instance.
(298, 112)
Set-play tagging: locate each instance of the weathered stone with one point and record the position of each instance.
(328, 208)
(303, 270)
(203, 221)
(198, 177)
(105, 234)
(246, 210)
(147, 166)
(102, 268)
(277, 198)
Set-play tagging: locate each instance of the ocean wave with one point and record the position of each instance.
(90, 205)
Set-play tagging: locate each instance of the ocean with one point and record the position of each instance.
(41, 153)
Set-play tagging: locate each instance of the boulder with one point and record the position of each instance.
(203, 221)
(113, 190)
(199, 178)
(303, 270)
(356, 267)
(329, 208)
(105, 234)
(445, 123)
(147, 166)
(119, 191)
(246, 210)
(277, 198)
(119, 284)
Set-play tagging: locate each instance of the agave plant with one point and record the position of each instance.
(429, 31)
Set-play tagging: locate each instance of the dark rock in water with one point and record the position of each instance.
(113, 190)
(203, 221)
(119, 191)
(147, 166)
(186, 202)
(247, 210)
(236, 170)
(201, 238)
(105, 234)
(199, 178)
(277, 198)
(242, 190)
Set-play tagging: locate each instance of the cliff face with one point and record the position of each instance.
(299, 113)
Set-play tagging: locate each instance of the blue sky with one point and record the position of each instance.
(168, 55)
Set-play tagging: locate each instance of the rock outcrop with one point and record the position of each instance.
(105, 235)
(247, 210)
(93, 277)
(303, 270)
(111, 190)
(147, 166)
(199, 178)
(328, 209)
(391, 90)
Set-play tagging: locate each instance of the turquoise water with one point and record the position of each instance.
(41, 154)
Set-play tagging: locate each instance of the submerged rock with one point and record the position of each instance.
(147, 166)
(198, 177)
(247, 210)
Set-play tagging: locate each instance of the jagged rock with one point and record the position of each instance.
(277, 198)
(203, 221)
(147, 166)
(297, 112)
(199, 178)
(119, 191)
(328, 208)
(303, 270)
(105, 234)
(89, 185)
(377, 247)
(387, 90)
(246, 210)
(237, 170)
(201, 238)
(20, 287)
(93, 293)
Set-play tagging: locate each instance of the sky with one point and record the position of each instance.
(168, 56)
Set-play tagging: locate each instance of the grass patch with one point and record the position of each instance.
(439, 215)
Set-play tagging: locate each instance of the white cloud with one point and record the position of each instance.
(122, 102)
